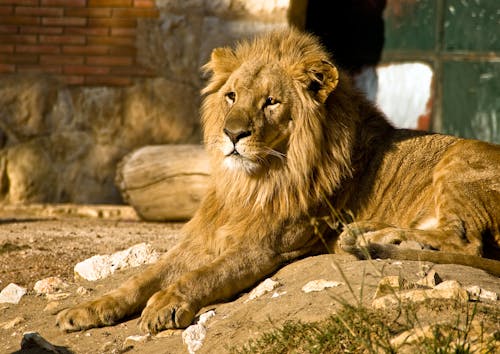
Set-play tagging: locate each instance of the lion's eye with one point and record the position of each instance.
(270, 101)
(230, 97)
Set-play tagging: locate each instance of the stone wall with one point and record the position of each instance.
(130, 79)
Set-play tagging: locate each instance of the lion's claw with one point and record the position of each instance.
(165, 311)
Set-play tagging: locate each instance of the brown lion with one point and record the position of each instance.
(292, 143)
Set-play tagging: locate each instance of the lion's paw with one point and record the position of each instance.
(360, 242)
(166, 310)
(98, 313)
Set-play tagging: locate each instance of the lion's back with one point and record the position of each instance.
(413, 171)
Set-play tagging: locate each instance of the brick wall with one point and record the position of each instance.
(83, 42)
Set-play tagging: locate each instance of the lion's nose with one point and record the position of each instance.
(236, 134)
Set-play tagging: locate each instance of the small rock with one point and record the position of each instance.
(52, 307)
(57, 296)
(168, 333)
(447, 290)
(11, 323)
(263, 288)
(83, 291)
(448, 285)
(12, 294)
(101, 266)
(319, 285)
(477, 293)
(430, 280)
(49, 285)
(33, 340)
(204, 317)
(277, 294)
(194, 335)
(132, 341)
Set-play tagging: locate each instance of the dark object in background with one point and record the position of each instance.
(352, 30)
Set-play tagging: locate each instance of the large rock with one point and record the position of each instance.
(61, 144)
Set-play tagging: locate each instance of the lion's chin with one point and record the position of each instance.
(237, 163)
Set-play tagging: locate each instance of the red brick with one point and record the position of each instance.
(112, 22)
(6, 10)
(18, 2)
(135, 12)
(70, 39)
(132, 71)
(123, 50)
(85, 70)
(118, 31)
(85, 49)
(86, 12)
(18, 58)
(73, 79)
(94, 31)
(118, 41)
(39, 11)
(41, 30)
(109, 3)
(61, 59)
(6, 48)
(19, 20)
(37, 48)
(8, 29)
(144, 3)
(6, 68)
(107, 80)
(65, 3)
(17, 38)
(109, 60)
(64, 21)
(50, 69)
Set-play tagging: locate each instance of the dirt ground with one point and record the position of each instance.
(41, 241)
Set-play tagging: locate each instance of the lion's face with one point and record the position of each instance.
(265, 105)
(256, 118)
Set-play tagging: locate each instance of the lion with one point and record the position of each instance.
(295, 148)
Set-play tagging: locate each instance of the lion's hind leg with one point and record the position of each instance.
(358, 238)
(364, 241)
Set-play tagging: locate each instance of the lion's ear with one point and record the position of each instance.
(324, 77)
(222, 60)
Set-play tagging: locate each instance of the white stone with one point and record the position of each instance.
(101, 266)
(431, 279)
(450, 290)
(194, 335)
(319, 285)
(12, 294)
(477, 293)
(49, 285)
(277, 294)
(263, 288)
(448, 285)
(131, 341)
(57, 296)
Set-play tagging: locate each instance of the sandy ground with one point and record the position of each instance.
(41, 241)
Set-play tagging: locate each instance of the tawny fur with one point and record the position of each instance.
(293, 143)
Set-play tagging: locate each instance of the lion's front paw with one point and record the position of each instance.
(97, 313)
(166, 310)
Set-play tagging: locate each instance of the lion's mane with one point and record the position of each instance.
(323, 142)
